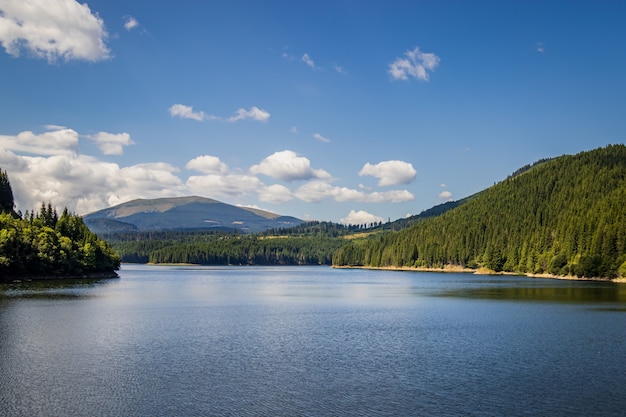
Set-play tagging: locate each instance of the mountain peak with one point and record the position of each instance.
(191, 212)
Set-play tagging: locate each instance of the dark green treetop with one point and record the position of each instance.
(6, 194)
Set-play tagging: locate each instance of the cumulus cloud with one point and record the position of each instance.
(307, 60)
(360, 217)
(130, 22)
(83, 183)
(254, 113)
(288, 166)
(390, 172)
(47, 167)
(111, 143)
(321, 138)
(275, 193)
(52, 29)
(207, 164)
(224, 185)
(415, 63)
(186, 112)
(445, 195)
(61, 141)
(316, 191)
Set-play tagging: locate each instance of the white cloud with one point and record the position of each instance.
(445, 195)
(415, 64)
(316, 191)
(390, 172)
(224, 185)
(185, 112)
(111, 143)
(130, 22)
(57, 142)
(254, 113)
(275, 193)
(393, 196)
(54, 127)
(207, 164)
(321, 138)
(294, 130)
(541, 47)
(84, 184)
(339, 69)
(52, 29)
(288, 166)
(360, 217)
(307, 60)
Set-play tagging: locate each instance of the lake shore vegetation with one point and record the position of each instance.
(40, 245)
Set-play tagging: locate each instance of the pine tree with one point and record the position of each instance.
(6, 194)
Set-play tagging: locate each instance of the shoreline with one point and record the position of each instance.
(481, 271)
(30, 278)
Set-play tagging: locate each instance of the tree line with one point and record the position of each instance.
(313, 245)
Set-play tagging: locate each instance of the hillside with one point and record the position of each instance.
(565, 216)
(180, 213)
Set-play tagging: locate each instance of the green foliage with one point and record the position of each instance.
(312, 243)
(565, 216)
(46, 244)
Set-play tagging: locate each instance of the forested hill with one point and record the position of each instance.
(565, 216)
(44, 244)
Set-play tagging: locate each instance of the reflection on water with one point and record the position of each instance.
(53, 289)
(552, 291)
(310, 341)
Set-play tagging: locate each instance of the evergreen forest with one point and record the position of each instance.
(311, 243)
(44, 244)
(563, 216)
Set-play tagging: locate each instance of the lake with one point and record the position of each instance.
(311, 341)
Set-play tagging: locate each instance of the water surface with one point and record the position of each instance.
(184, 341)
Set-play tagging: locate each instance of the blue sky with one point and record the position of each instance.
(347, 111)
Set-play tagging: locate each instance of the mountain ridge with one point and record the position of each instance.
(190, 212)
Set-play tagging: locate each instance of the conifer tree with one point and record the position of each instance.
(6, 194)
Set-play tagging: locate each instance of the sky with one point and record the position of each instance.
(346, 111)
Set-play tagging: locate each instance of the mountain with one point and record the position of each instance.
(184, 213)
(563, 216)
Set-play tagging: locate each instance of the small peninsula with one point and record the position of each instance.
(44, 245)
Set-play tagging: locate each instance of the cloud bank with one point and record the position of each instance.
(47, 167)
(53, 30)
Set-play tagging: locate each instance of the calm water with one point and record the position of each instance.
(311, 341)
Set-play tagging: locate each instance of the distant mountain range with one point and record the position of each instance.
(184, 213)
